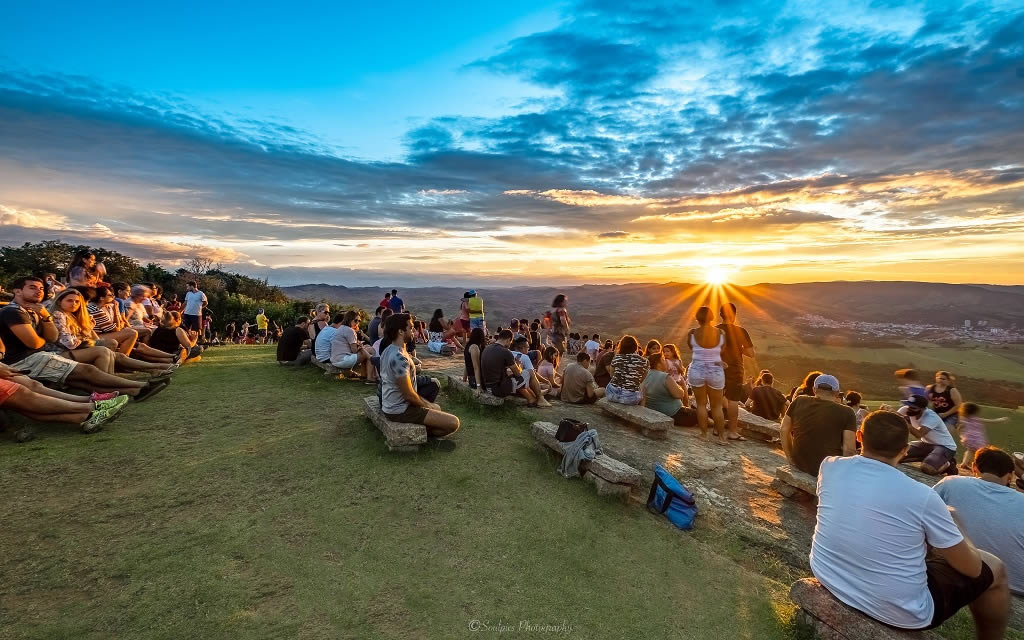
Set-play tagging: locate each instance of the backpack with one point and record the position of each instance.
(671, 498)
(476, 305)
(570, 429)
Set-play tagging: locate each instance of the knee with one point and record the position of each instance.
(999, 576)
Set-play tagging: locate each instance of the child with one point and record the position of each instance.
(910, 383)
(972, 431)
(675, 367)
(547, 372)
(853, 400)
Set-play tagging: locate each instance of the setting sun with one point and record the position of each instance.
(716, 275)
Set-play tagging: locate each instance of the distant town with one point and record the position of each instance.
(970, 330)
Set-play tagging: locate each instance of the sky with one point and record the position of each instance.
(526, 143)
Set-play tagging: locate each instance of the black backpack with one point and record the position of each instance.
(570, 429)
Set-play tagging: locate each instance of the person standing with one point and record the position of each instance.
(261, 326)
(737, 345)
(195, 300)
(396, 304)
(705, 373)
(475, 304)
(558, 316)
(945, 398)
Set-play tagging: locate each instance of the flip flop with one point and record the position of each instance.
(736, 439)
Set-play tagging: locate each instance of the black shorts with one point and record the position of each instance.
(735, 390)
(190, 323)
(261, 333)
(412, 415)
(507, 387)
(952, 590)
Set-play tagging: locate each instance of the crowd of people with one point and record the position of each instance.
(111, 342)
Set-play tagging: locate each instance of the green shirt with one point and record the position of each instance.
(658, 397)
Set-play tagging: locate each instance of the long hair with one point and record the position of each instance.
(807, 386)
(551, 355)
(559, 300)
(653, 346)
(627, 344)
(669, 347)
(171, 320)
(80, 323)
(435, 321)
(477, 337)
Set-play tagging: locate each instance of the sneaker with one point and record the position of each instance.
(100, 397)
(114, 403)
(97, 419)
(151, 390)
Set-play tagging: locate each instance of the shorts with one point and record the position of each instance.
(346, 362)
(8, 389)
(478, 323)
(508, 386)
(934, 455)
(558, 341)
(735, 390)
(706, 374)
(46, 367)
(952, 590)
(190, 323)
(412, 415)
(622, 396)
(261, 333)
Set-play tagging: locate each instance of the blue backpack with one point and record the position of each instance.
(671, 498)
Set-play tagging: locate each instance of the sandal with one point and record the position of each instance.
(738, 438)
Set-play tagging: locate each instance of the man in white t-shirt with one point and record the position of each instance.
(592, 347)
(192, 312)
(936, 449)
(887, 545)
(990, 512)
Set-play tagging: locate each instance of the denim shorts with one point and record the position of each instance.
(706, 374)
(622, 396)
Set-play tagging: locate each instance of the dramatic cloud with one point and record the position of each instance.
(786, 136)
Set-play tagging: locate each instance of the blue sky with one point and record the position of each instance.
(528, 143)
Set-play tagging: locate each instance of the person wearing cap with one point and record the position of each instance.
(475, 307)
(936, 448)
(816, 427)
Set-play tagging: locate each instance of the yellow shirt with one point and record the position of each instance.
(261, 321)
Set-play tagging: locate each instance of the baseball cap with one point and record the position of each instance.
(825, 380)
(471, 293)
(915, 400)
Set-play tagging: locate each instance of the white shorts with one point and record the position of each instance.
(346, 362)
(706, 374)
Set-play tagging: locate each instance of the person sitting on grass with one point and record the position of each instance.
(26, 328)
(547, 372)
(171, 338)
(886, 545)
(373, 329)
(972, 431)
(471, 357)
(765, 400)
(400, 401)
(502, 375)
(989, 510)
(819, 427)
(78, 340)
(88, 415)
(629, 369)
(662, 394)
(578, 386)
(519, 351)
(322, 344)
(137, 316)
(292, 347)
(347, 352)
(936, 448)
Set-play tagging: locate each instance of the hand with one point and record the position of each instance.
(433, 405)
(6, 373)
(193, 334)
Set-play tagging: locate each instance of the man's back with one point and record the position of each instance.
(575, 380)
(290, 343)
(343, 342)
(396, 304)
(817, 431)
(394, 364)
(993, 518)
(493, 361)
(768, 402)
(322, 345)
(870, 539)
(736, 339)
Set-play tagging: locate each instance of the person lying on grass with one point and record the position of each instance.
(400, 401)
(88, 415)
(26, 328)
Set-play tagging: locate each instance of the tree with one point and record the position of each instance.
(200, 266)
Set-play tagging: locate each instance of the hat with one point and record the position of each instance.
(915, 400)
(825, 380)
(471, 293)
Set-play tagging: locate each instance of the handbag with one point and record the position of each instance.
(671, 498)
(570, 429)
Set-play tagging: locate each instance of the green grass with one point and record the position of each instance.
(253, 501)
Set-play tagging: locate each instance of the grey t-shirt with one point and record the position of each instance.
(394, 365)
(993, 519)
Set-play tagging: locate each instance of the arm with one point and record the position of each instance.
(474, 357)
(787, 445)
(963, 557)
(958, 399)
(30, 338)
(993, 420)
(404, 384)
(675, 390)
(849, 443)
(184, 339)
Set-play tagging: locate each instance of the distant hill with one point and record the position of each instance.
(626, 307)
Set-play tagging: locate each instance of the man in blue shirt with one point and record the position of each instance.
(396, 303)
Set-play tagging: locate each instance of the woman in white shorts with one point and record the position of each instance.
(707, 373)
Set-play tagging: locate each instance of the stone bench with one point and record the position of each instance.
(400, 436)
(481, 396)
(769, 429)
(608, 475)
(652, 424)
(833, 620)
(789, 480)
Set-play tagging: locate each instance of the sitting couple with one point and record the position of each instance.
(338, 343)
(506, 371)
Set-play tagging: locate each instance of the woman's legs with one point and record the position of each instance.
(146, 352)
(131, 364)
(42, 389)
(100, 357)
(91, 378)
(701, 393)
(968, 459)
(125, 338)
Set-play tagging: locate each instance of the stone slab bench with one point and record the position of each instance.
(789, 480)
(833, 620)
(651, 423)
(400, 436)
(769, 429)
(608, 475)
(481, 396)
